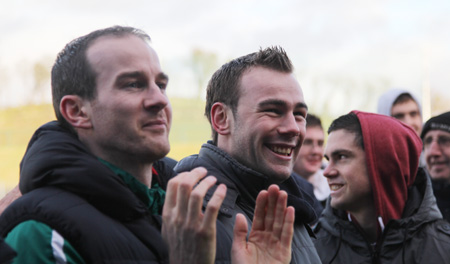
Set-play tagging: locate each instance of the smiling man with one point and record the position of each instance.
(381, 207)
(257, 114)
(436, 147)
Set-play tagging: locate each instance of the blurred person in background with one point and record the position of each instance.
(309, 164)
(436, 147)
(402, 105)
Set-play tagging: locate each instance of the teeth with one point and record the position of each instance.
(282, 151)
(335, 187)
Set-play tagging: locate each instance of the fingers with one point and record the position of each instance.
(186, 178)
(280, 213)
(288, 227)
(274, 192)
(240, 232)
(271, 212)
(196, 197)
(185, 186)
(212, 209)
(260, 210)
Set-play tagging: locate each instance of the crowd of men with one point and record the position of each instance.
(97, 188)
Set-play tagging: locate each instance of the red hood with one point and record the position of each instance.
(392, 155)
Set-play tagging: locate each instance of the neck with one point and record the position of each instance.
(142, 172)
(139, 168)
(367, 220)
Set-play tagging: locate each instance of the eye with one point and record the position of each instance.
(414, 114)
(342, 156)
(134, 84)
(300, 114)
(399, 116)
(427, 142)
(273, 110)
(162, 85)
(307, 142)
(444, 141)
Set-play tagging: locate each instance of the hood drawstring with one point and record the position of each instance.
(380, 221)
(339, 245)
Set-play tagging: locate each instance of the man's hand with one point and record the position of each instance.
(189, 233)
(270, 238)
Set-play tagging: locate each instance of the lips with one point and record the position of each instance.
(155, 124)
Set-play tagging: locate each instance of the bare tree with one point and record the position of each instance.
(203, 65)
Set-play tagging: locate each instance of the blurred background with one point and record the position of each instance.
(346, 54)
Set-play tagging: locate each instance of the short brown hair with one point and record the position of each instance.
(73, 75)
(313, 121)
(403, 98)
(224, 84)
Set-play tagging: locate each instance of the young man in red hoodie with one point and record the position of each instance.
(381, 207)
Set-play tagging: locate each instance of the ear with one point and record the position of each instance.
(75, 110)
(221, 118)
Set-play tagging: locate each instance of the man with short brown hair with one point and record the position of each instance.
(257, 114)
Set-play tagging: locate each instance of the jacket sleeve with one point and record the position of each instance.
(36, 242)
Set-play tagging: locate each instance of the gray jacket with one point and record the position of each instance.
(421, 236)
(243, 185)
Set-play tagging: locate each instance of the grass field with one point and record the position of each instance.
(190, 130)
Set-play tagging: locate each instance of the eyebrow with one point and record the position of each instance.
(163, 76)
(139, 74)
(277, 102)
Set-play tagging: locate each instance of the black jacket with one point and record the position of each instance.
(441, 190)
(7, 254)
(69, 189)
(420, 236)
(243, 185)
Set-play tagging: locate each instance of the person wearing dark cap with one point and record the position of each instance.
(381, 208)
(436, 146)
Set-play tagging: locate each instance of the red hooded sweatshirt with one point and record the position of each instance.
(392, 152)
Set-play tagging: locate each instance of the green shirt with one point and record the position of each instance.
(36, 242)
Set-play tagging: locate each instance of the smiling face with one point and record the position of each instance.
(269, 124)
(436, 145)
(347, 173)
(130, 114)
(310, 156)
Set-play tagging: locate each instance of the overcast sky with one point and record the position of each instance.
(349, 43)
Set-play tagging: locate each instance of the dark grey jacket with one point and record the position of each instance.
(421, 236)
(243, 185)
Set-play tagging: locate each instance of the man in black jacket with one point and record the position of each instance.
(257, 114)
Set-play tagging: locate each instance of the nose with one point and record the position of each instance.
(155, 98)
(290, 126)
(317, 149)
(329, 171)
